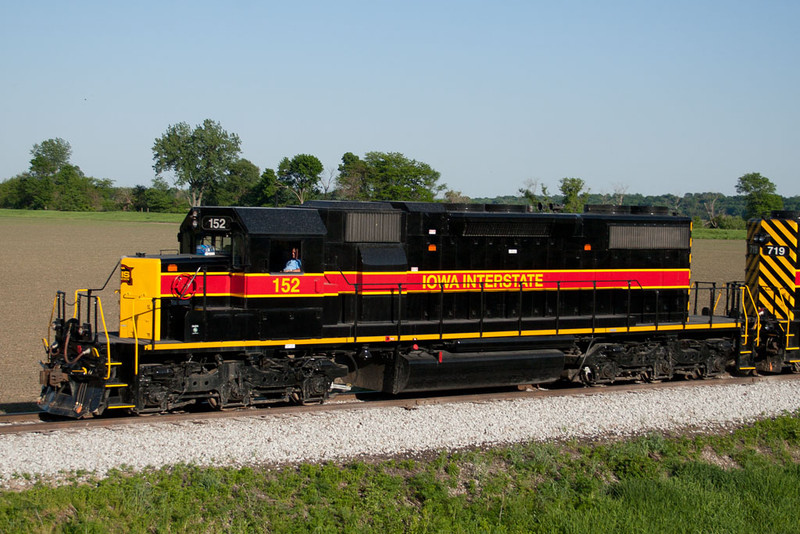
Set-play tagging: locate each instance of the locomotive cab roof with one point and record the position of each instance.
(255, 221)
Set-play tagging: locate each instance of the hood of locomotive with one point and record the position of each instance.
(145, 280)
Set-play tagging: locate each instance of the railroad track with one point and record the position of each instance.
(15, 423)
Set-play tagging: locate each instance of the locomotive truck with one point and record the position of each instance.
(411, 297)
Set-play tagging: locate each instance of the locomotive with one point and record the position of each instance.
(263, 305)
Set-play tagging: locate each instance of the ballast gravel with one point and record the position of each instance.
(266, 439)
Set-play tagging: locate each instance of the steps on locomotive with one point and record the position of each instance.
(115, 401)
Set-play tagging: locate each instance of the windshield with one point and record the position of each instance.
(214, 245)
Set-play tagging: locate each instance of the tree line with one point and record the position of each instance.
(757, 196)
(202, 165)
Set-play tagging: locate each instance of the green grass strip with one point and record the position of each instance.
(716, 233)
(737, 482)
(116, 216)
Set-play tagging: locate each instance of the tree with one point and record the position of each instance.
(36, 192)
(619, 192)
(760, 196)
(139, 198)
(74, 191)
(327, 183)
(238, 188)
(52, 182)
(392, 176)
(387, 176)
(268, 191)
(200, 158)
(574, 196)
(301, 176)
(38, 187)
(528, 192)
(11, 192)
(713, 217)
(352, 180)
(455, 197)
(50, 156)
(160, 197)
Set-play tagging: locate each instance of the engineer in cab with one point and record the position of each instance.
(294, 265)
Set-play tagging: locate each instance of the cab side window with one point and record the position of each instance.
(286, 257)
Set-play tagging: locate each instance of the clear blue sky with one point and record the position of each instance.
(659, 97)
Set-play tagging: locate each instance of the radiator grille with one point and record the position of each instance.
(648, 237)
(372, 227)
(506, 228)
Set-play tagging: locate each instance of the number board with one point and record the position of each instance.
(219, 224)
(775, 250)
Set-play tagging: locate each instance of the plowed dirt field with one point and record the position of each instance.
(40, 256)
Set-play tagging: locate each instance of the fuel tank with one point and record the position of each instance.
(443, 370)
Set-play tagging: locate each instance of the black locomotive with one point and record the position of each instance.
(280, 304)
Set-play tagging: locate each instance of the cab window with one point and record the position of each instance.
(214, 245)
(286, 256)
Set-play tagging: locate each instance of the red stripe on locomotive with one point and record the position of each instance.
(239, 284)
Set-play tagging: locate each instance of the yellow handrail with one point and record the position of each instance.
(785, 309)
(108, 342)
(132, 318)
(102, 318)
(75, 306)
(746, 289)
(135, 343)
(135, 334)
(50, 326)
(716, 303)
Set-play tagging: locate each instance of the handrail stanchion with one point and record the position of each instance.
(483, 307)
(153, 327)
(712, 305)
(746, 328)
(135, 340)
(399, 309)
(558, 306)
(205, 303)
(658, 305)
(355, 316)
(441, 311)
(684, 307)
(628, 311)
(519, 310)
(757, 316)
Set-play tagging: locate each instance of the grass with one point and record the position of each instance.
(115, 216)
(739, 482)
(716, 233)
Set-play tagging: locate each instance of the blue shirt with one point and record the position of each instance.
(293, 265)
